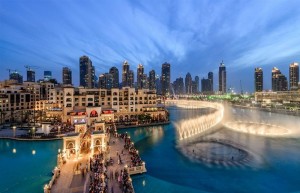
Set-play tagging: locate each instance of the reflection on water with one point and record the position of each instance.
(25, 166)
(258, 165)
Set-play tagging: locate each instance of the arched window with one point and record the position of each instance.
(93, 113)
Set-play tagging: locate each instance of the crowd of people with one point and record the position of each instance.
(60, 128)
(135, 157)
(99, 178)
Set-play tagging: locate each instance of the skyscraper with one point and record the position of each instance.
(205, 85)
(86, 72)
(131, 78)
(158, 84)
(67, 75)
(279, 81)
(139, 74)
(222, 78)
(125, 74)
(47, 75)
(294, 75)
(30, 75)
(144, 81)
(178, 86)
(115, 76)
(196, 85)
(165, 78)
(152, 85)
(188, 83)
(211, 81)
(105, 81)
(258, 77)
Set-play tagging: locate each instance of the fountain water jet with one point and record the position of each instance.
(257, 128)
(199, 124)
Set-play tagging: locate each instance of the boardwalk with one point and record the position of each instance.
(71, 179)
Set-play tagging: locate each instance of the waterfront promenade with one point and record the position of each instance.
(119, 160)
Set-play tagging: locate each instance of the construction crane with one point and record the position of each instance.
(10, 71)
(29, 68)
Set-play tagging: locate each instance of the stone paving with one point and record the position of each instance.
(116, 147)
(71, 180)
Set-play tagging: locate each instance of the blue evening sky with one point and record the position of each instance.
(194, 36)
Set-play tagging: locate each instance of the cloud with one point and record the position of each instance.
(194, 36)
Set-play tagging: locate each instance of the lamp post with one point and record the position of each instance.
(14, 131)
(33, 131)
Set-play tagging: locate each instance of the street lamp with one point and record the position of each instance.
(14, 131)
(33, 131)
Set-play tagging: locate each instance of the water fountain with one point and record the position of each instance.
(257, 128)
(201, 123)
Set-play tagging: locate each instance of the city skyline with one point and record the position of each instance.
(193, 37)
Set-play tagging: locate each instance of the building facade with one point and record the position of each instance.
(294, 75)
(112, 105)
(115, 76)
(16, 76)
(258, 80)
(152, 85)
(66, 76)
(125, 74)
(139, 76)
(86, 72)
(222, 78)
(279, 81)
(105, 81)
(165, 78)
(178, 85)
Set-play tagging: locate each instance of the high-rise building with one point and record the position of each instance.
(211, 81)
(86, 72)
(144, 81)
(158, 84)
(279, 81)
(205, 85)
(105, 81)
(222, 78)
(131, 78)
(275, 73)
(178, 86)
(115, 76)
(188, 83)
(47, 75)
(67, 76)
(165, 78)
(294, 75)
(152, 85)
(258, 77)
(16, 76)
(125, 74)
(196, 85)
(139, 74)
(30, 75)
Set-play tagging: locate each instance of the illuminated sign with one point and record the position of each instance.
(108, 112)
